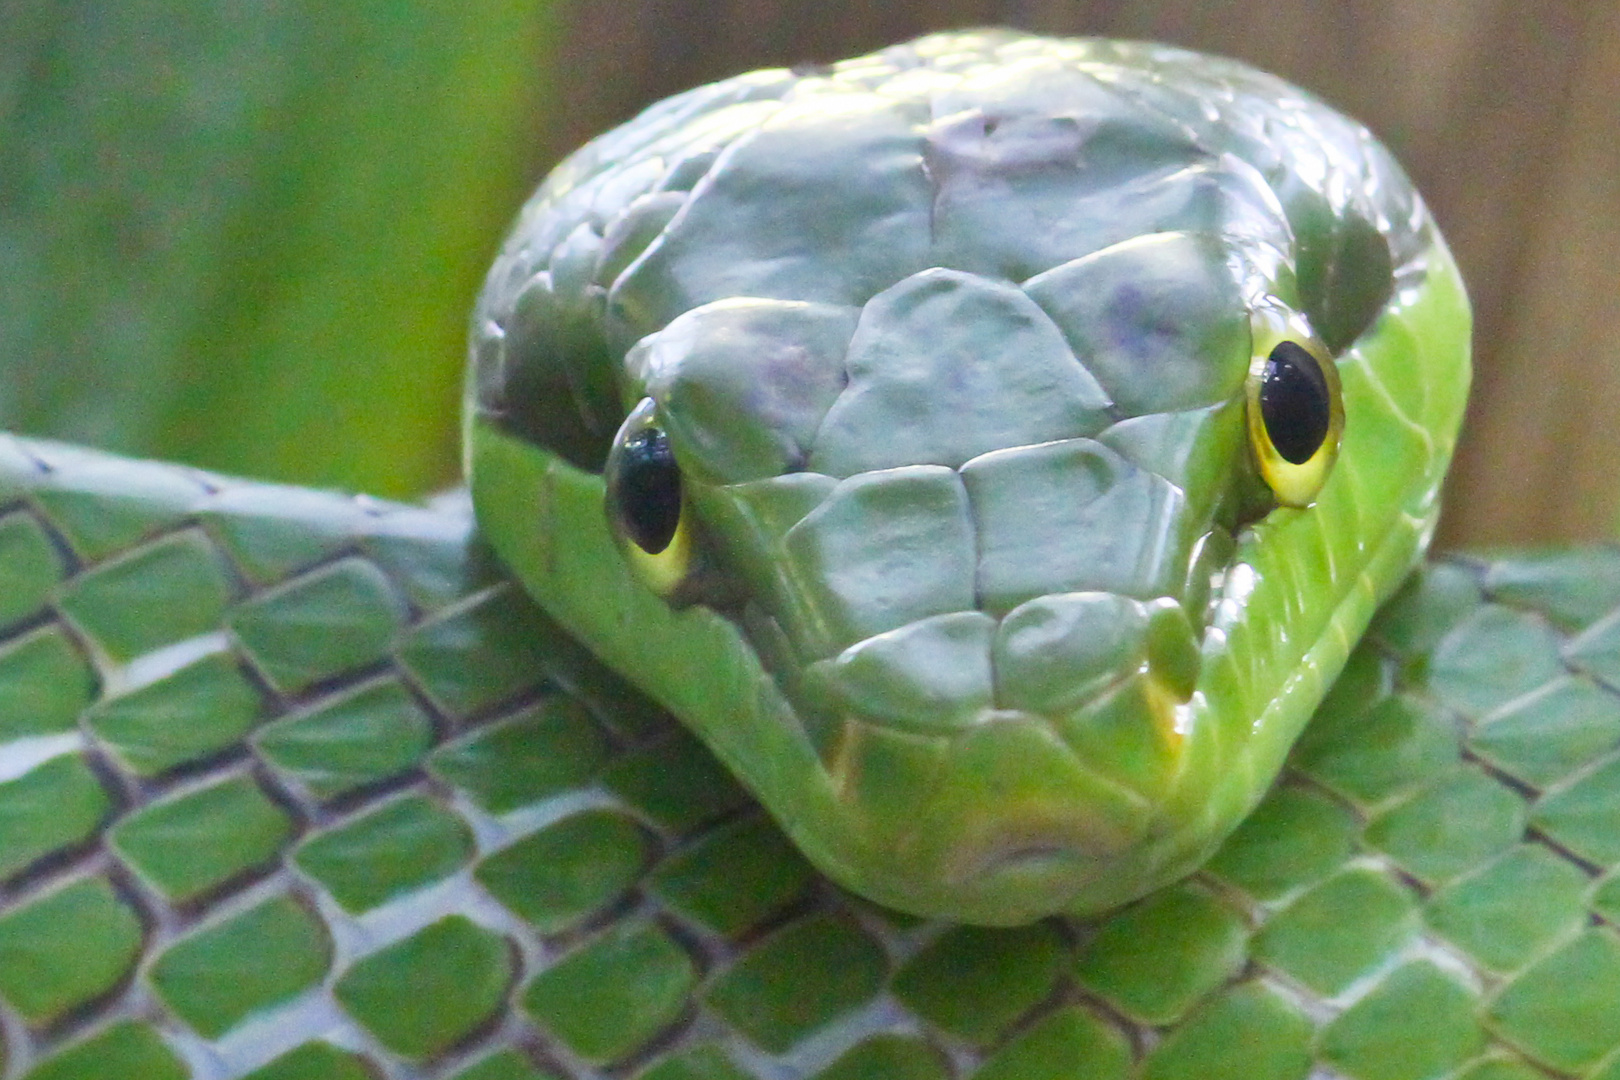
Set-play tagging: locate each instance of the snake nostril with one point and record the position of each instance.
(1054, 653)
(1052, 657)
(932, 675)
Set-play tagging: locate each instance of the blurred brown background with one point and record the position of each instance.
(1506, 114)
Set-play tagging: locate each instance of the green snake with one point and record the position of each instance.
(992, 448)
(301, 786)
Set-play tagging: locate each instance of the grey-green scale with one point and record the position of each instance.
(979, 584)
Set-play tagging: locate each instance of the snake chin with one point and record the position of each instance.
(1028, 859)
(1050, 866)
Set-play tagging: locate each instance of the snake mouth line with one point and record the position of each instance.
(1058, 855)
(1039, 859)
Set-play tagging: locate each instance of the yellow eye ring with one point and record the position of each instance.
(646, 503)
(1295, 406)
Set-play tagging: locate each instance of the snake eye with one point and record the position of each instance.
(644, 501)
(1296, 414)
(1294, 402)
(647, 495)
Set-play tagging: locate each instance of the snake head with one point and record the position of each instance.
(950, 441)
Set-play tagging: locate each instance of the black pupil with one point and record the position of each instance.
(1294, 402)
(649, 491)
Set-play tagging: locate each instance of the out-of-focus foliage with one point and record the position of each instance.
(246, 234)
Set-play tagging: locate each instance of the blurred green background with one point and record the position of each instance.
(246, 235)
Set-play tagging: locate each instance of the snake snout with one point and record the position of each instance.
(1056, 653)
(933, 675)
(1051, 656)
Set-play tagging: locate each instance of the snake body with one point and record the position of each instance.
(972, 548)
